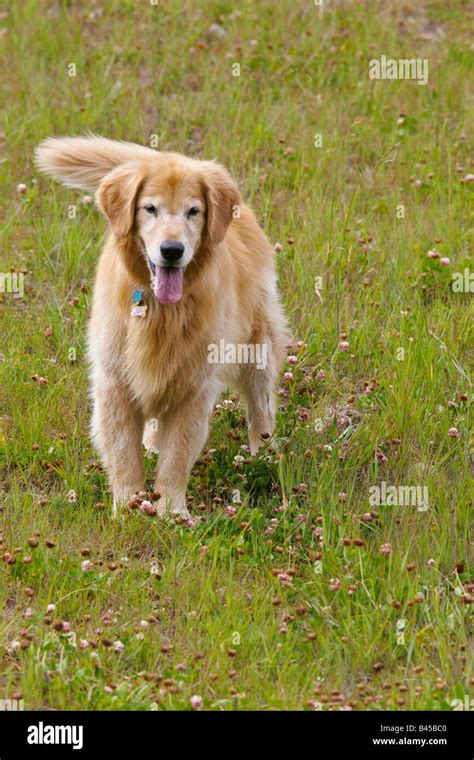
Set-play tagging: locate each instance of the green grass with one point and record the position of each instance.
(221, 623)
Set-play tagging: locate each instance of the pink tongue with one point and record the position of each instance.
(168, 286)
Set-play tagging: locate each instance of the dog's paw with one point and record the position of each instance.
(123, 497)
(256, 441)
(172, 506)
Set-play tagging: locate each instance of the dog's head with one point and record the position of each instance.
(172, 207)
(165, 210)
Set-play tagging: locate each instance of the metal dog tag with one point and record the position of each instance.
(139, 311)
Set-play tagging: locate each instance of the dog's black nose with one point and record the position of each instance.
(171, 250)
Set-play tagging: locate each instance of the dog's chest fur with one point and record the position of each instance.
(166, 354)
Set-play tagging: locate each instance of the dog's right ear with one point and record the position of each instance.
(117, 197)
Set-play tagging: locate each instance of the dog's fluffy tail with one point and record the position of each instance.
(84, 161)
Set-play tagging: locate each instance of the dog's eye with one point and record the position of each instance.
(194, 211)
(150, 208)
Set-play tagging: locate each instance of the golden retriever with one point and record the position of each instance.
(185, 304)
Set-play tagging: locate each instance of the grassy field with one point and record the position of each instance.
(309, 596)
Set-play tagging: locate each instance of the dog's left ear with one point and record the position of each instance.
(117, 197)
(223, 201)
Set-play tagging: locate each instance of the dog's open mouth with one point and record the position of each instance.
(167, 283)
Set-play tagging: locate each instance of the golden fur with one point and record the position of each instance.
(156, 367)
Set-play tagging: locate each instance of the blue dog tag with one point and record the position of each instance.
(137, 296)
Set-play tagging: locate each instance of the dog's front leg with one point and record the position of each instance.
(182, 434)
(117, 430)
